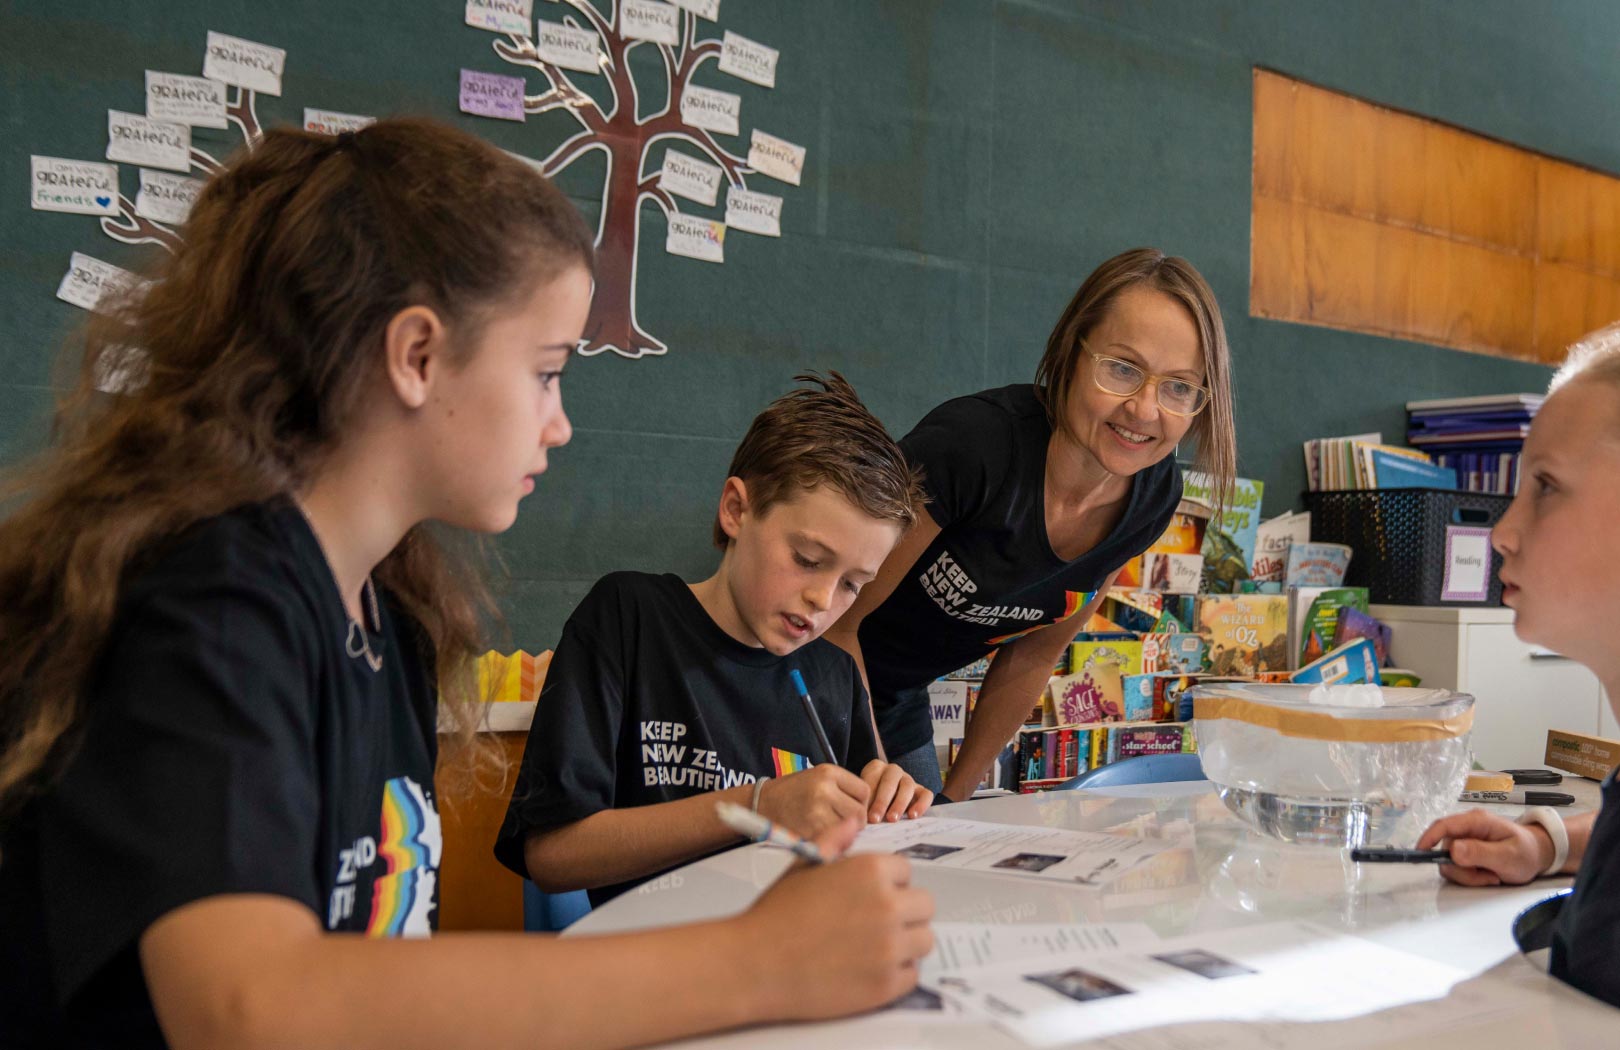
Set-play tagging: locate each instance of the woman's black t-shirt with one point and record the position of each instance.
(229, 744)
(991, 575)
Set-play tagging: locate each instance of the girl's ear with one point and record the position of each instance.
(733, 505)
(413, 353)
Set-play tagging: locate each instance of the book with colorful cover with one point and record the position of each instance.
(1353, 623)
(1391, 471)
(1229, 540)
(1316, 565)
(1272, 543)
(1313, 618)
(1096, 693)
(1354, 661)
(1125, 652)
(1246, 633)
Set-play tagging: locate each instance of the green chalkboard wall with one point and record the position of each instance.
(969, 162)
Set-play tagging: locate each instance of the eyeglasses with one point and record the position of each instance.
(1121, 378)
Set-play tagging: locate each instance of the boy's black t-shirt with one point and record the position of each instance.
(229, 744)
(991, 575)
(647, 700)
(1586, 939)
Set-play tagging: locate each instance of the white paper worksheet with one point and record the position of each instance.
(1274, 972)
(1087, 858)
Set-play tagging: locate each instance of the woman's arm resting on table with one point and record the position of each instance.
(1017, 675)
(249, 971)
(846, 632)
(1488, 849)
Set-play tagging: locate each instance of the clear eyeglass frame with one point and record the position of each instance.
(1125, 388)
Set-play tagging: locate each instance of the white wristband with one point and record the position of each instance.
(759, 785)
(1553, 824)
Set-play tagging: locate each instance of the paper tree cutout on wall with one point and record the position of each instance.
(132, 228)
(628, 138)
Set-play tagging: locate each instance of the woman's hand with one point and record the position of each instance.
(894, 793)
(1488, 850)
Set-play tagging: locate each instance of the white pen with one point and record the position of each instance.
(757, 828)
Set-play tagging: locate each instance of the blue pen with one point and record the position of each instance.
(815, 719)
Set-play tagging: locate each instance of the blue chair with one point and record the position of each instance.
(1143, 769)
(552, 912)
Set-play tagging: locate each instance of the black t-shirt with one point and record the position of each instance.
(229, 744)
(991, 575)
(647, 700)
(1586, 940)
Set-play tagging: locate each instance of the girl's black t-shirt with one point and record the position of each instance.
(229, 744)
(991, 576)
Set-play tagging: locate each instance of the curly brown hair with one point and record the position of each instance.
(257, 340)
(824, 436)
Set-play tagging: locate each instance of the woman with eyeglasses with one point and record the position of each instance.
(1037, 495)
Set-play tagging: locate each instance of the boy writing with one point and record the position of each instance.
(664, 698)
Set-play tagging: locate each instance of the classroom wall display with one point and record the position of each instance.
(666, 150)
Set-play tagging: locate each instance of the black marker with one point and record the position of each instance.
(1391, 855)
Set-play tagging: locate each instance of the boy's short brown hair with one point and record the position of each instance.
(824, 436)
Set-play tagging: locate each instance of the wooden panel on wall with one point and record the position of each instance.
(1368, 219)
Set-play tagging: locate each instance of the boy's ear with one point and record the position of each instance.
(413, 352)
(733, 506)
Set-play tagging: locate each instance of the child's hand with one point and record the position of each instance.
(1488, 850)
(858, 929)
(809, 802)
(894, 793)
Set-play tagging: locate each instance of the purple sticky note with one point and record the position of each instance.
(491, 95)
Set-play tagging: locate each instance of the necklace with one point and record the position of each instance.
(357, 644)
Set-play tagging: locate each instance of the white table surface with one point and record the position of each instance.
(1236, 878)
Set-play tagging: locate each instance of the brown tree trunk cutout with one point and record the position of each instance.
(627, 138)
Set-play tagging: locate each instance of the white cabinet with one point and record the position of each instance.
(1520, 691)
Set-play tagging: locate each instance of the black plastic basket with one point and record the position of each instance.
(1397, 538)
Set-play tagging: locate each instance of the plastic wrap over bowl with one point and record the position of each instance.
(1331, 775)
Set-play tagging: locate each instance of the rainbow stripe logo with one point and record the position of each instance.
(787, 762)
(1073, 602)
(403, 899)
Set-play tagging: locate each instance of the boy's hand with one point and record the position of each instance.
(1488, 850)
(894, 793)
(858, 929)
(809, 802)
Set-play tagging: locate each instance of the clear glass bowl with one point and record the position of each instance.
(1334, 776)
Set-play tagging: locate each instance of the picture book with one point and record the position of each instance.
(1313, 618)
(1246, 633)
(1353, 623)
(1175, 573)
(1125, 652)
(1355, 661)
(1182, 653)
(1271, 546)
(1229, 540)
(1316, 565)
(1095, 693)
(1389, 470)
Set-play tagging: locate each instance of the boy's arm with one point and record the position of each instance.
(618, 845)
(298, 986)
(1017, 675)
